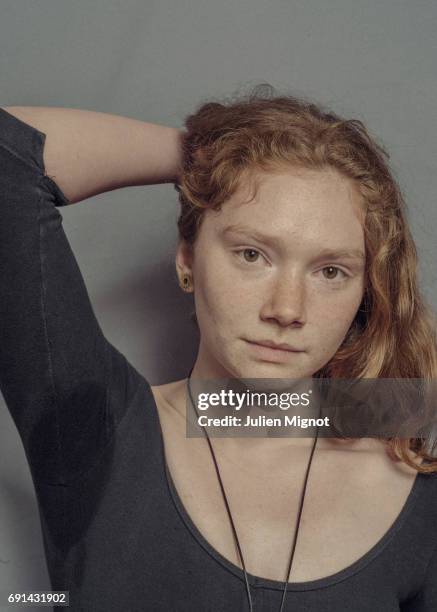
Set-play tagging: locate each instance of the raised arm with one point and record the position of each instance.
(87, 152)
(66, 386)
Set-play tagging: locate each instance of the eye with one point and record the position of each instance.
(249, 255)
(332, 272)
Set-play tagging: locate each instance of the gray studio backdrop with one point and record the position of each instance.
(156, 61)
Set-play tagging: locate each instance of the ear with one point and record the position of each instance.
(184, 258)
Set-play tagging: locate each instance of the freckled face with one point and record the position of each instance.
(284, 267)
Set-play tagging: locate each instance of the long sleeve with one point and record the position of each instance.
(60, 378)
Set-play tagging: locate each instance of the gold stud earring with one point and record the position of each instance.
(186, 282)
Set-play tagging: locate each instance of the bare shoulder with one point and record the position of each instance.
(374, 470)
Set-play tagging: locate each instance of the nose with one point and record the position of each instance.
(285, 302)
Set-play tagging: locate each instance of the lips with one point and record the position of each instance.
(271, 352)
(283, 346)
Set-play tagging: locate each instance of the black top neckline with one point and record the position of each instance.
(417, 488)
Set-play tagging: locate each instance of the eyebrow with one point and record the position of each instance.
(274, 240)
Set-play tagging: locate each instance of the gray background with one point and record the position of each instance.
(157, 61)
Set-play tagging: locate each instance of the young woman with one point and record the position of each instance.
(292, 233)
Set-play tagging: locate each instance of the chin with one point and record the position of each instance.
(272, 371)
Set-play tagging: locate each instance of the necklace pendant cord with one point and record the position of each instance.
(228, 510)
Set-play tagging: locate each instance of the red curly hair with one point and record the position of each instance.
(394, 332)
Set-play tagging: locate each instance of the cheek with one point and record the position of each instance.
(219, 294)
(335, 317)
(215, 302)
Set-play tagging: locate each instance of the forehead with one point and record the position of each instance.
(296, 205)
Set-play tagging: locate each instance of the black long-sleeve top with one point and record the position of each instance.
(116, 534)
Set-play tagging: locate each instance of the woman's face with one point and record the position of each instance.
(286, 267)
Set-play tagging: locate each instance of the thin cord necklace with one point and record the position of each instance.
(234, 531)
